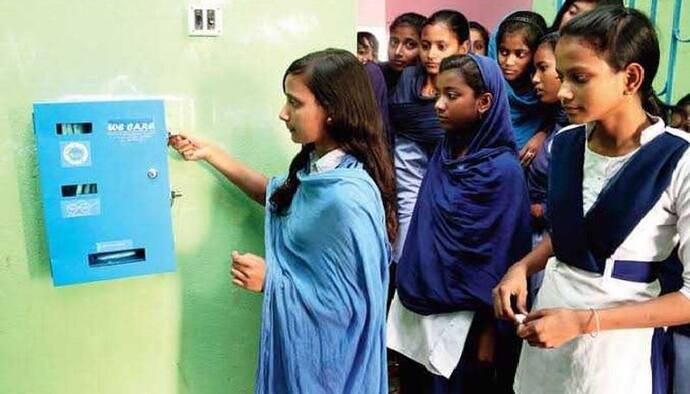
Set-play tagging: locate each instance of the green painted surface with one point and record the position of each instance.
(185, 332)
(664, 23)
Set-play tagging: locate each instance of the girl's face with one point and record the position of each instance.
(590, 89)
(514, 56)
(478, 43)
(457, 106)
(403, 47)
(545, 78)
(304, 117)
(577, 7)
(365, 52)
(438, 43)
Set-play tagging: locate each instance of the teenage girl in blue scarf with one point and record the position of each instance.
(328, 226)
(471, 220)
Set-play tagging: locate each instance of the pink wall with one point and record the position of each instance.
(486, 12)
(372, 12)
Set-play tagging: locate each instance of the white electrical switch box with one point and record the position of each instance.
(204, 20)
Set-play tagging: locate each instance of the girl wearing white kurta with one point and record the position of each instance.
(619, 205)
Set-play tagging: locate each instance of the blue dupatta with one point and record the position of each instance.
(471, 221)
(412, 115)
(323, 318)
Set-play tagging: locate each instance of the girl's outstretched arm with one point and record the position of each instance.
(250, 181)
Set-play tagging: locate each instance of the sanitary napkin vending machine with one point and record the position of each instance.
(104, 183)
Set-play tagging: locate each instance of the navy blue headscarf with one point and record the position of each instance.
(471, 221)
(412, 115)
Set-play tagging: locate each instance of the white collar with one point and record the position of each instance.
(655, 129)
(326, 162)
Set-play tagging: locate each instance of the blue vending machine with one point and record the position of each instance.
(104, 182)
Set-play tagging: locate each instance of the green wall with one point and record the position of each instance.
(664, 22)
(186, 332)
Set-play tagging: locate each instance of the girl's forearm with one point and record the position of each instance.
(668, 310)
(250, 181)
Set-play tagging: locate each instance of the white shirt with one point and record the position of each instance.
(616, 361)
(435, 341)
(326, 162)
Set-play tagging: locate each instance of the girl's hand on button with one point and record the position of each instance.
(191, 148)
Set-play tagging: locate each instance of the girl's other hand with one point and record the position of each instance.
(529, 151)
(537, 211)
(248, 271)
(551, 328)
(191, 148)
(513, 284)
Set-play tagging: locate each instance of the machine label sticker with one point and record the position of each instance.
(80, 208)
(75, 154)
(131, 130)
(111, 246)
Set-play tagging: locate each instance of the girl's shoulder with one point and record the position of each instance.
(409, 84)
(507, 165)
(566, 134)
(678, 133)
(683, 167)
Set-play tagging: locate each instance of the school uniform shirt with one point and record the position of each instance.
(417, 132)
(615, 361)
(326, 162)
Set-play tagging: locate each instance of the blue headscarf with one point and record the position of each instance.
(525, 109)
(412, 115)
(526, 114)
(471, 221)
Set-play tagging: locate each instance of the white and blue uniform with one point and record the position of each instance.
(615, 361)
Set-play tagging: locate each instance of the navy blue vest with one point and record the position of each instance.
(586, 241)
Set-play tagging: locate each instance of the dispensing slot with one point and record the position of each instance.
(116, 258)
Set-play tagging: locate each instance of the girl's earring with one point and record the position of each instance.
(329, 120)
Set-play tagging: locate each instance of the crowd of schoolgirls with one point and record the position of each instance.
(485, 212)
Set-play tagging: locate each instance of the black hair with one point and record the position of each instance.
(367, 39)
(531, 23)
(341, 86)
(684, 101)
(456, 21)
(550, 39)
(482, 30)
(468, 68)
(568, 3)
(622, 36)
(409, 18)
